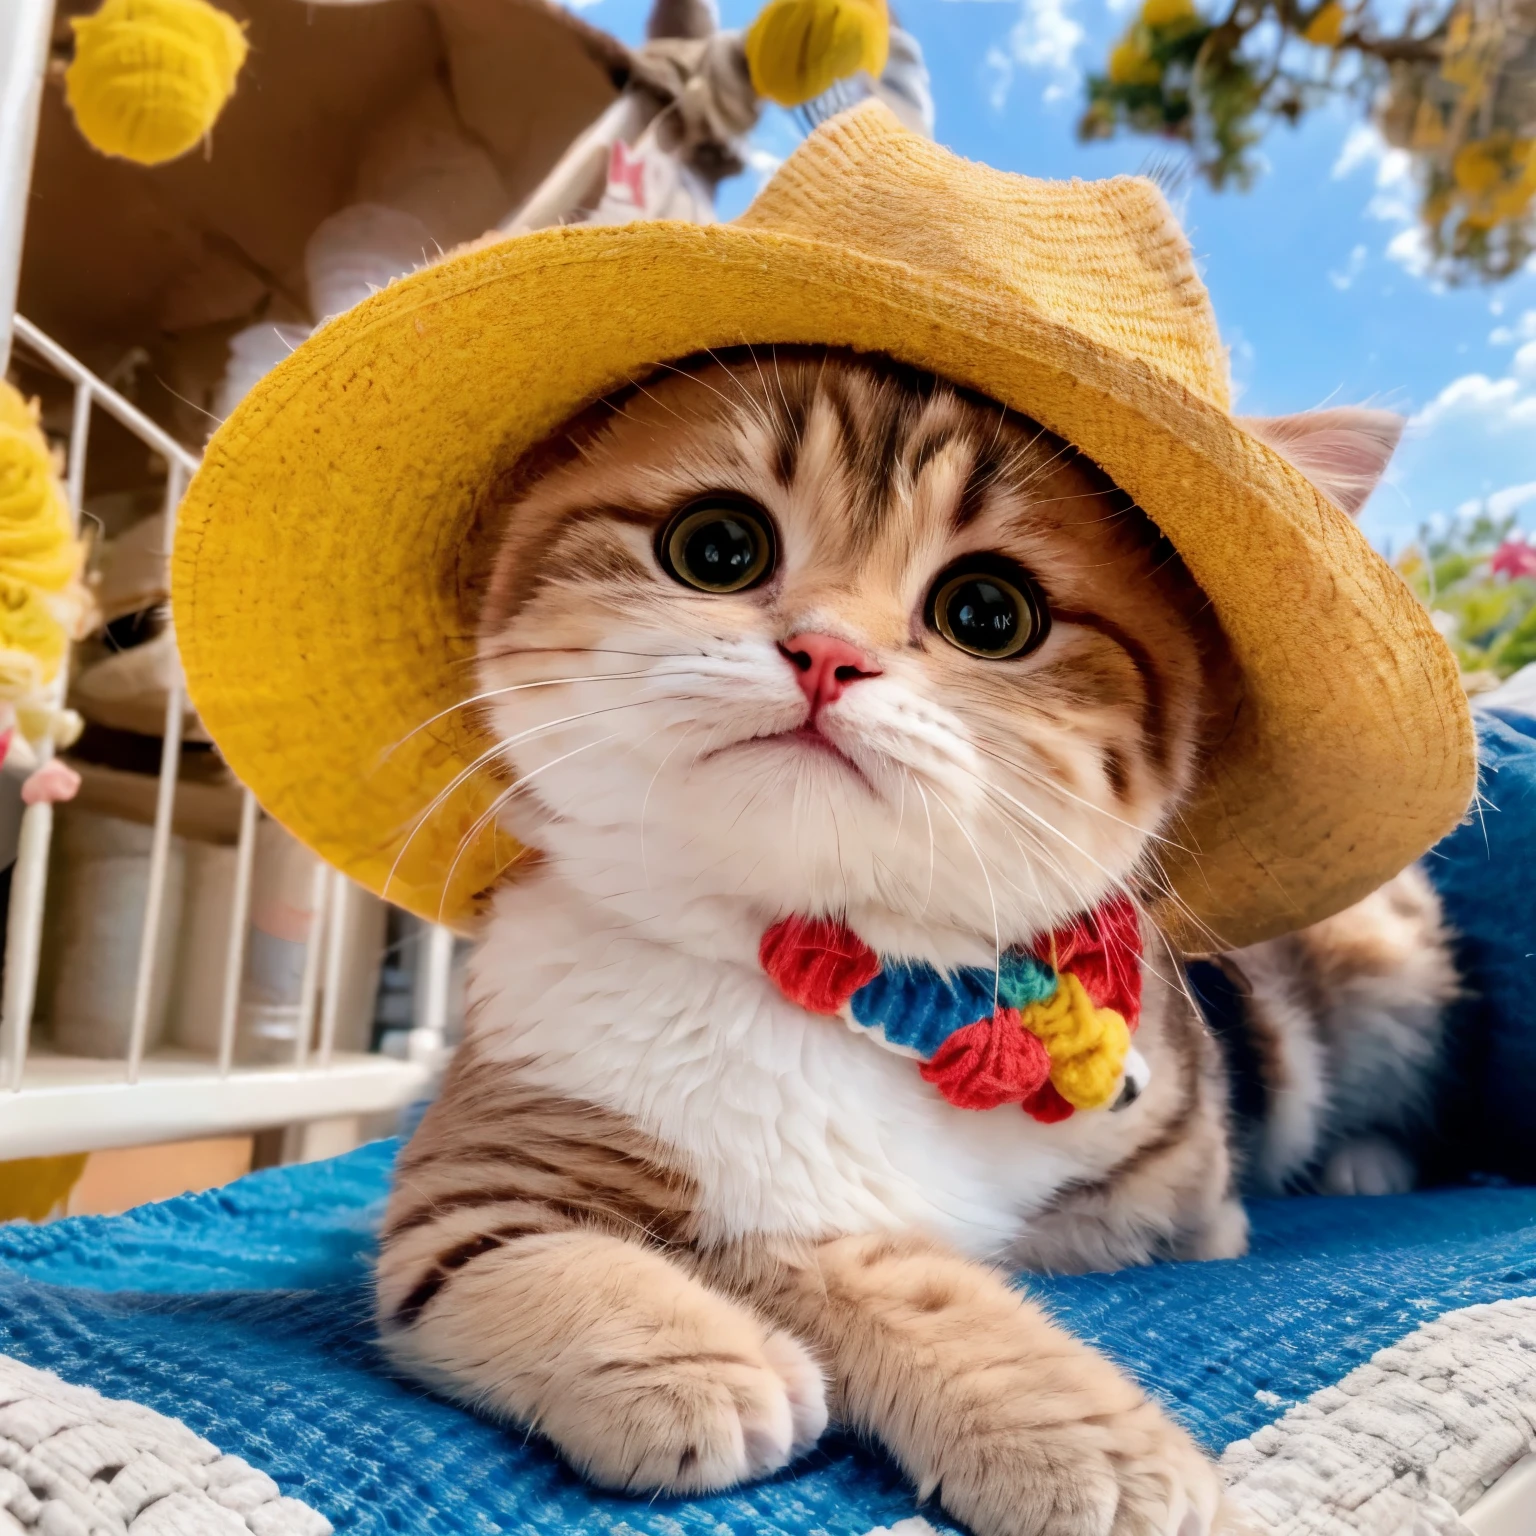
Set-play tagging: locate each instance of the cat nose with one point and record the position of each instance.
(825, 667)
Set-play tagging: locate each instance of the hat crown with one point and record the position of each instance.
(1106, 259)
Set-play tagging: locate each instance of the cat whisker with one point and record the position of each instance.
(502, 653)
(645, 803)
(637, 385)
(498, 805)
(1043, 854)
(1055, 831)
(496, 693)
(756, 406)
(997, 932)
(932, 852)
(1038, 779)
(492, 752)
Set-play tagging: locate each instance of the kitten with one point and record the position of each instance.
(1334, 1039)
(660, 1212)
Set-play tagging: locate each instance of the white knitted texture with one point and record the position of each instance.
(1406, 1442)
(75, 1463)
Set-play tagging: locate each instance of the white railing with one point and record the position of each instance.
(51, 1102)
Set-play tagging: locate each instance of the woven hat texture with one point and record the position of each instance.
(328, 566)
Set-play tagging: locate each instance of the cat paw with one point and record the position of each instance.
(1370, 1165)
(1134, 1473)
(695, 1421)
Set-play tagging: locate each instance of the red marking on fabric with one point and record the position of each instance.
(1102, 949)
(817, 963)
(993, 1061)
(1047, 1106)
(5, 744)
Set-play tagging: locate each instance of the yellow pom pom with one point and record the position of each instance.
(36, 543)
(19, 413)
(21, 678)
(1087, 1045)
(150, 77)
(796, 49)
(29, 625)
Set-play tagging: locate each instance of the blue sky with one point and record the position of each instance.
(1313, 272)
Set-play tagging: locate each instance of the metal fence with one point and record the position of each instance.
(52, 1102)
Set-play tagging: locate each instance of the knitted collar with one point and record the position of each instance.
(1049, 1029)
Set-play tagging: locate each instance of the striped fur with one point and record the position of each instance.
(658, 1212)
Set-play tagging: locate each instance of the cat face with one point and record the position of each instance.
(828, 635)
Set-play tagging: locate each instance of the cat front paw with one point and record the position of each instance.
(1133, 1473)
(1369, 1165)
(697, 1420)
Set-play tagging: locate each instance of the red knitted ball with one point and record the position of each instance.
(1102, 949)
(1047, 1106)
(993, 1061)
(817, 963)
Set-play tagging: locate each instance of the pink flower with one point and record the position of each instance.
(1514, 557)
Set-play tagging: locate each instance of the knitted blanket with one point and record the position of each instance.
(1369, 1367)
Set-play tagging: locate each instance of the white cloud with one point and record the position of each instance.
(998, 69)
(1044, 39)
(1410, 249)
(1356, 264)
(1496, 405)
(1511, 499)
(1474, 444)
(1362, 145)
(1396, 198)
(1524, 329)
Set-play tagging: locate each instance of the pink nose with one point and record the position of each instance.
(825, 667)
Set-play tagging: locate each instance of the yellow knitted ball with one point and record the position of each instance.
(37, 544)
(29, 625)
(17, 411)
(796, 49)
(150, 77)
(1087, 1045)
(21, 679)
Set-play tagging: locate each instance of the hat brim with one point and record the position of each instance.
(327, 565)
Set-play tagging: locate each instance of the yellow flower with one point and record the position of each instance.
(1327, 26)
(1129, 64)
(1162, 13)
(796, 49)
(150, 77)
(1477, 167)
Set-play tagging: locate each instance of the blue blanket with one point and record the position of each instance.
(1484, 872)
(245, 1313)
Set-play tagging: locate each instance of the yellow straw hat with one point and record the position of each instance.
(328, 563)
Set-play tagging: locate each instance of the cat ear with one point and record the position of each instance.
(1342, 451)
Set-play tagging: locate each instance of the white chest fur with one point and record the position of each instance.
(789, 1123)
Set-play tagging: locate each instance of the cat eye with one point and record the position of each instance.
(720, 545)
(987, 606)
